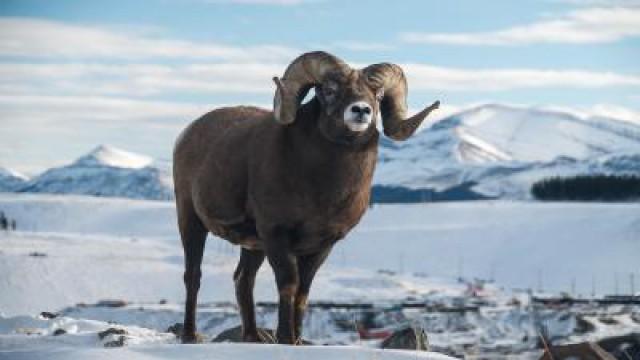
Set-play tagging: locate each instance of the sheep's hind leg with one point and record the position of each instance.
(193, 235)
(244, 278)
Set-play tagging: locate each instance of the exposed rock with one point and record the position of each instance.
(48, 315)
(583, 326)
(582, 351)
(59, 332)
(111, 303)
(408, 338)
(626, 347)
(176, 329)
(119, 342)
(111, 331)
(267, 336)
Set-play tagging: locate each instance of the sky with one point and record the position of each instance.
(77, 73)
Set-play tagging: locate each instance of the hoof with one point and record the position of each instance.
(195, 338)
(286, 340)
(251, 338)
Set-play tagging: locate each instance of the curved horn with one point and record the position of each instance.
(304, 72)
(393, 106)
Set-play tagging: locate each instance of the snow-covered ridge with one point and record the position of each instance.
(105, 155)
(11, 180)
(502, 149)
(106, 171)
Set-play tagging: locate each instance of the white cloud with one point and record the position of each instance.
(137, 79)
(582, 26)
(432, 78)
(55, 109)
(142, 80)
(29, 37)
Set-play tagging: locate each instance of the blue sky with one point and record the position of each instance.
(74, 74)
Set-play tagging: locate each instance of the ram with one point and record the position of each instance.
(286, 184)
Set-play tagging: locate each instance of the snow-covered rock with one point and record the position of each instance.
(27, 337)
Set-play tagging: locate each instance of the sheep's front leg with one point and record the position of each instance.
(308, 265)
(285, 267)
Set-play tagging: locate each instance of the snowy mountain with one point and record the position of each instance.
(504, 149)
(11, 180)
(486, 151)
(107, 171)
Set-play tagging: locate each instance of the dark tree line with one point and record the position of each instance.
(588, 188)
(6, 223)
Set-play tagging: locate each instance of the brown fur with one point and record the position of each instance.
(287, 192)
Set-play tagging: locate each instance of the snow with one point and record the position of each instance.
(25, 337)
(107, 248)
(503, 149)
(105, 155)
(519, 244)
(107, 171)
(11, 180)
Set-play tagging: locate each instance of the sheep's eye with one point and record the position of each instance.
(380, 95)
(330, 90)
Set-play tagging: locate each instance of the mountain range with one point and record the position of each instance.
(494, 151)
(105, 171)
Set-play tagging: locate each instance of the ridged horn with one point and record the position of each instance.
(393, 106)
(303, 73)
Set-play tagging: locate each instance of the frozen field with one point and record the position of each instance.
(74, 249)
(518, 244)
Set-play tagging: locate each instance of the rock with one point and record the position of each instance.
(111, 331)
(582, 351)
(118, 334)
(608, 320)
(267, 336)
(37, 254)
(626, 347)
(48, 315)
(583, 326)
(176, 329)
(59, 332)
(408, 338)
(119, 342)
(111, 303)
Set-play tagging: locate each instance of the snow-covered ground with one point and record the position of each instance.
(518, 244)
(77, 249)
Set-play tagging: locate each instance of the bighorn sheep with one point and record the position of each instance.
(287, 184)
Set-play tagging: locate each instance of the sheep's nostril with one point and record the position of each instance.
(367, 110)
(356, 109)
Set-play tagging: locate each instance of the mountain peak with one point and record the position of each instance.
(106, 155)
(6, 172)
